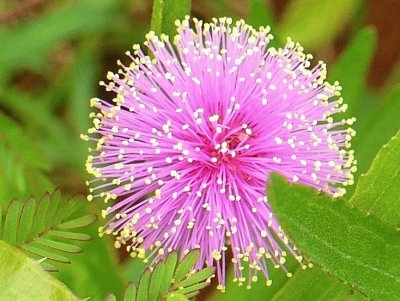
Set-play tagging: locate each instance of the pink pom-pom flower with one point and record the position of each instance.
(185, 148)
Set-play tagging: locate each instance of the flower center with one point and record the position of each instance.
(230, 143)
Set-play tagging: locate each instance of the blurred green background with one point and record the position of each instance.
(53, 54)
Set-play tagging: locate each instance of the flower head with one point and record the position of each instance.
(187, 144)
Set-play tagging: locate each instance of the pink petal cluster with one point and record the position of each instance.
(185, 148)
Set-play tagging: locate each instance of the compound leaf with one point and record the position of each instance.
(157, 284)
(35, 227)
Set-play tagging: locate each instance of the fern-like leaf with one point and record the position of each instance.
(170, 265)
(169, 280)
(45, 228)
(155, 282)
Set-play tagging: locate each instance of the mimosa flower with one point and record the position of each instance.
(185, 148)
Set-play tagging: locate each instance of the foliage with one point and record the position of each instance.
(326, 231)
(378, 190)
(44, 228)
(98, 258)
(306, 284)
(315, 284)
(170, 280)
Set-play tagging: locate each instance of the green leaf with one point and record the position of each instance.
(326, 231)
(60, 246)
(191, 295)
(169, 270)
(315, 23)
(38, 226)
(378, 190)
(165, 13)
(194, 288)
(27, 215)
(1, 221)
(22, 278)
(185, 266)
(51, 214)
(352, 67)
(200, 276)
(314, 284)
(156, 284)
(70, 235)
(157, 278)
(111, 297)
(130, 292)
(143, 286)
(309, 284)
(48, 266)
(68, 207)
(79, 222)
(98, 260)
(11, 222)
(44, 253)
(40, 216)
(177, 297)
(259, 290)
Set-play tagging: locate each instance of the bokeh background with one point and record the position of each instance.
(53, 53)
